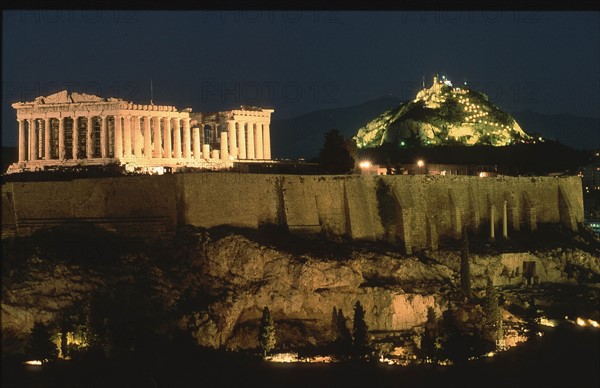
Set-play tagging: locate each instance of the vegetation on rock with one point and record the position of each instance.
(334, 157)
(360, 330)
(266, 332)
(443, 115)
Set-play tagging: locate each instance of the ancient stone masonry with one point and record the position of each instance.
(70, 129)
(420, 210)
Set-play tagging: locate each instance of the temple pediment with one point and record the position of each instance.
(64, 97)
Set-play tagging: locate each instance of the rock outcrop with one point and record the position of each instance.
(216, 289)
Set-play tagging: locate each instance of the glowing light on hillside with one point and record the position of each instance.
(283, 357)
(33, 362)
(593, 323)
(547, 322)
(581, 322)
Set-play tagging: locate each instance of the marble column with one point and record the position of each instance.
(22, 146)
(224, 152)
(504, 221)
(258, 141)
(89, 146)
(232, 142)
(75, 138)
(118, 137)
(206, 151)
(196, 143)
(137, 136)
(251, 154)
(47, 130)
(242, 141)
(187, 151)
(492, 232)
(61, 139)
(127, 137)
(33, 147)
(267, 141)
(147, 138)
(103, 137)
(176, 138)
(202, 135)
(167, 152)
(157, 141)
(40, 140)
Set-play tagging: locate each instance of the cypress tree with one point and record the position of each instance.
(266, 332)
(40, 344)
(359, 327)
(334, 157)
(493, 317)
(344, 335)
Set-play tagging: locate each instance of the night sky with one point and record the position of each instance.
(300, 61)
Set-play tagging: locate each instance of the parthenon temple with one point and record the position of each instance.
(75, 129)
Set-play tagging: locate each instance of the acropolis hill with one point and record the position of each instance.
(186, 235)
(71, 129)
(209, 250)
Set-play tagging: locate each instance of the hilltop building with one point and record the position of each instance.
(74, 129)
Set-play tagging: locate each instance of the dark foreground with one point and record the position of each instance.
(565, 357)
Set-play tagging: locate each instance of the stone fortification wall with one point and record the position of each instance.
(416, 211)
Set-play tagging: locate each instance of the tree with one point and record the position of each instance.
(342, 343)
(493, 318)
(344, 336)
(360, 330)
(335, 332)
(465, 272)
(266, 332)
(335, 157)
(40, 344)
(430, 341)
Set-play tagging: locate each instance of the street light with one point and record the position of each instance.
(420, 163)
(364, 164)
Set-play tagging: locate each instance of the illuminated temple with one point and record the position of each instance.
(74, 129)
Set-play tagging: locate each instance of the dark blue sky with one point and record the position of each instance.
(301, 61)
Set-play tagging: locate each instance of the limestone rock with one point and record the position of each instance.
(216, 288)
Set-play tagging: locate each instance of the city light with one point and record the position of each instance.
(364, 164)
(547, 322)
(420, 163)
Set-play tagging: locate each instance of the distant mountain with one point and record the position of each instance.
(302, 136)
(576, 132)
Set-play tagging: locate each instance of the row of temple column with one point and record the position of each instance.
(246, 140)
(146, 141)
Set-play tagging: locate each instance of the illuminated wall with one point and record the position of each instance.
(416, 211)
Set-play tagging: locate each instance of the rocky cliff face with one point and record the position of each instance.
(215, 287)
